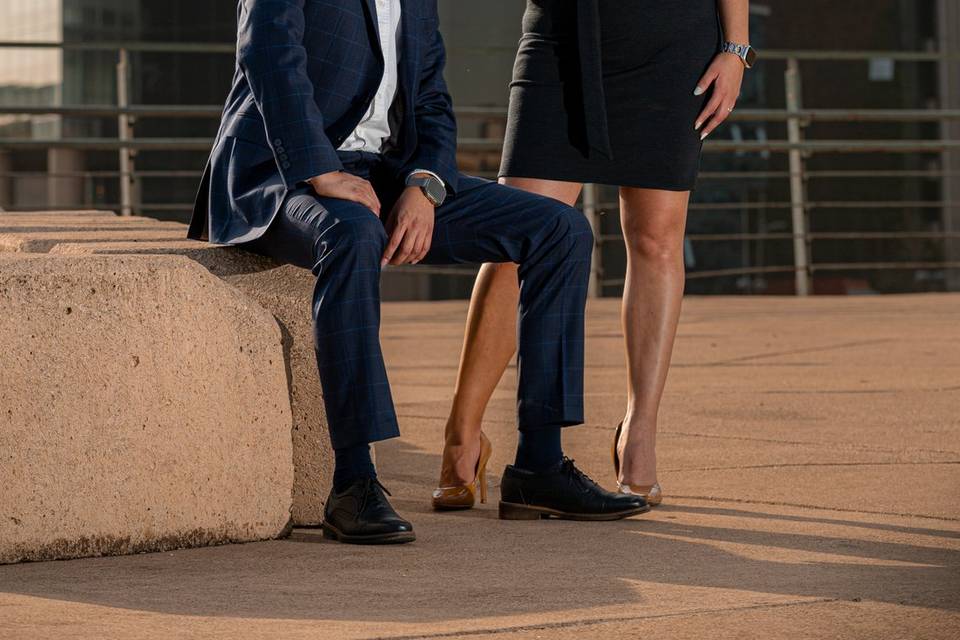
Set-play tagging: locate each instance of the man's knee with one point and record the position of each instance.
(576, 229)
(362, 232)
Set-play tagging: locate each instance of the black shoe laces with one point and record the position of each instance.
(370, 487)
(568, 467)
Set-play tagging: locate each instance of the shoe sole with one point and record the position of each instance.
(400, 537)
(513, 511)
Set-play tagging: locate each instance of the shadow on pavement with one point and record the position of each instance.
(470, 564)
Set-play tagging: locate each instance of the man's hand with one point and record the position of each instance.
(344, 186)
(410, 226)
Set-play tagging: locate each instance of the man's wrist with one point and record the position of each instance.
(432, 186)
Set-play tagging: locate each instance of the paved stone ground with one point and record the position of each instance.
(810, 456)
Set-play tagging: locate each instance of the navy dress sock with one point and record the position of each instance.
(539, 449)
(352, 463)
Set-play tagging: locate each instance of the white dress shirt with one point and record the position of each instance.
(373, 132)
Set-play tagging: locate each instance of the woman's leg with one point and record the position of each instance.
(488, 345)
(653, 224)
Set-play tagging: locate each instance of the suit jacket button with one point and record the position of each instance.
(278, 142)
(286, 165)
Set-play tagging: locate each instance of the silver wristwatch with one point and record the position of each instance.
(431, 186)
(746, 53)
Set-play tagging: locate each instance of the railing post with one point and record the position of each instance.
(125, 132)
(591, 211)
(798, 207)
(949, 27)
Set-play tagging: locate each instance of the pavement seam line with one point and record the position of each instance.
(787, 465)
(794, 352)
(846, 445)
(815, 507)
(597, 621)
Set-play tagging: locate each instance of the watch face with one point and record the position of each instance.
(751, 57)
(435, 192)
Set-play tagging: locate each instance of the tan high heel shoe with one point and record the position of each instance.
(653, 494)
(464, 496)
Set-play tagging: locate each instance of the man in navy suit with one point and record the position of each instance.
(337, 153)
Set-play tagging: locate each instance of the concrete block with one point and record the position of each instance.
(92, 223)
(287, 292)
(143, 407)
(77, 213)
(66, 221)
(42, 242)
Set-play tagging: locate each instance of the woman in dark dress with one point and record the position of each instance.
(616, 92)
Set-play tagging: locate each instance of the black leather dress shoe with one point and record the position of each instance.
(565, 492)
(361, 514)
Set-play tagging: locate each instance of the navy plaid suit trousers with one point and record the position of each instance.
(342, 242)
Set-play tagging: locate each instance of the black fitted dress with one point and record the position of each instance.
(603, 91)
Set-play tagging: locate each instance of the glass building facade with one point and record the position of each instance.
(856, 200)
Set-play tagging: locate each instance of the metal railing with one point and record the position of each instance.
(797, 149)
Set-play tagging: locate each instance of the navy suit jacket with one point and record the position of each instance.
(306, 73)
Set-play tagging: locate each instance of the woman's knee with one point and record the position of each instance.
(654, 243)
(653, 227)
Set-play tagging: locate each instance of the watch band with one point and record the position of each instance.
(432, 186)
(746, 53)
(429, 173)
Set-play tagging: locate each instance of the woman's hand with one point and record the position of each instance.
(725, 74)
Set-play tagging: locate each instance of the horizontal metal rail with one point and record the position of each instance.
(775, 115)
(129, 45)
(230, 48)
(618, 238)
(704, 175)
(750, 115)
(103, 174)
(784, 146)
(477, 144)
(813, 236)
(112, 111)
(835, 204)
(832, 267)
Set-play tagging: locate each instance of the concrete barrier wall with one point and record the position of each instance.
(283, 290)
(144, 407)
(287, 292)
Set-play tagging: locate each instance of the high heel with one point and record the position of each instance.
(464, 496)
(653, 494)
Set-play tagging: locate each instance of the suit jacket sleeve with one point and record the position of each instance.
(272, 57)
(436, 124)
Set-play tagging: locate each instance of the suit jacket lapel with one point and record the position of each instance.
(373, 26)
(409, 45)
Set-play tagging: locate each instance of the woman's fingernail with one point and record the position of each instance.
(703, 136)
(697, 126)
(698, 91)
